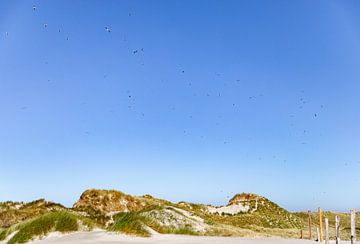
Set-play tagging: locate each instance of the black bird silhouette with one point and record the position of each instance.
(107, 29)
(34, 7)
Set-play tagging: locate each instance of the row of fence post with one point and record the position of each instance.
(319, 230)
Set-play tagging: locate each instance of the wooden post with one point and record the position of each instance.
(320, 225)
(301, 234)
(309, 225)
(352, 226)
(337, 229)
(326, 231)
(318, 233)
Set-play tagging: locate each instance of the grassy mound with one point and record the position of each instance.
(261, 213)
(267, 215)
(169, 221)
(162, 220)
(41, 226)
(15, 212)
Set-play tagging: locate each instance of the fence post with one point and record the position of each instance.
(337, 229)
(326, 231)
(352, 226)
(318, 233)
(309, 225)
(320, 225)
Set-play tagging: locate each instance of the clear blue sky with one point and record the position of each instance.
(221, 97)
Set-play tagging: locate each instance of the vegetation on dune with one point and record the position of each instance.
(262, 212)
(154, 213)
(38, 227)
(15, 212)
(99, 205)
(98, 217)
(165, 222)
(168, 221)
(105, 201)
(268, 215)
(130, 223)
(3, 234)
(264, 217)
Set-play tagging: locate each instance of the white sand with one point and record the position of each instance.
(99, 236)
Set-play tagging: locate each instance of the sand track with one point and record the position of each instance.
(109, 238)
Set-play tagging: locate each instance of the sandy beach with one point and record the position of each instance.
(109, 238)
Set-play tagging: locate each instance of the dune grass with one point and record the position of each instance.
(3, 234)
(7, 231)
(12, 213)
(130, 223)
(163, 229)
(55, 221)
(136, 223)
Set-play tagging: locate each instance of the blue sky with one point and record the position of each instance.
(184, 100)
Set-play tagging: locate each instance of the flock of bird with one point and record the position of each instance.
(131, 98)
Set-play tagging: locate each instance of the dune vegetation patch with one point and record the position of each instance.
(130, 223)
(162, 220)
(16, 212)
(39, 227)
(170, 221)
(3, 234)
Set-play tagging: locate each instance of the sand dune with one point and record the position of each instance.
(109, 238)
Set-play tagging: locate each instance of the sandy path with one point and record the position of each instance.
(109, 238)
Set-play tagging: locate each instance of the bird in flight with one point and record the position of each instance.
(34, 7)
(45, 25)
(107, 29)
